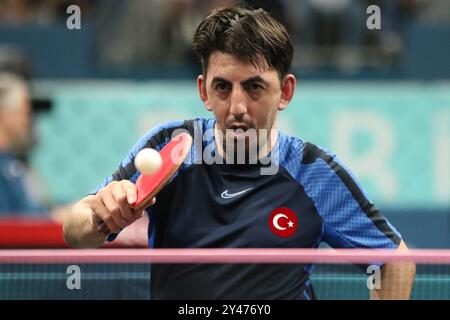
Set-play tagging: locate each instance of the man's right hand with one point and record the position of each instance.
(94, 217)
(111, 211)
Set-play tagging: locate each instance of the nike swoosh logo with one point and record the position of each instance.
(227, 195)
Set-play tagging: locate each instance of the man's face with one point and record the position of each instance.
(243, 96)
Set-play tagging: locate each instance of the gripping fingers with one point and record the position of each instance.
(130, 190)
(113, 209)
(120, 199)
(113, 206)
(102, 213)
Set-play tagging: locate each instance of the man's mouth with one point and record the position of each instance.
(237, 130)
(235, 126)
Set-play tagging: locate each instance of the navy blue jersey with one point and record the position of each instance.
(213, 205)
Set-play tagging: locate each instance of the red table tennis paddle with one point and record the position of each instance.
(173, 154)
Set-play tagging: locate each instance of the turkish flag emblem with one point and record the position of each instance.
(283, 222)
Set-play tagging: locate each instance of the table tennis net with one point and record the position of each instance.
(126, 273)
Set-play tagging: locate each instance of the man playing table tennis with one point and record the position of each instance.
(310, 198)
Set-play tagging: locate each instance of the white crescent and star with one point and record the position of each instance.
(277, 217)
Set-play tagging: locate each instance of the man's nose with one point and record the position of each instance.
(238, 103)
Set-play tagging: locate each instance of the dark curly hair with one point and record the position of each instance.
(249, 35)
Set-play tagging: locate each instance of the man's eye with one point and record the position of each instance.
(221, 87)
(256, 87)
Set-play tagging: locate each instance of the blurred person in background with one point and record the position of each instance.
(18, 186)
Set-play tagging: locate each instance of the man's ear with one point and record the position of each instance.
(287, 91)
(201, 83)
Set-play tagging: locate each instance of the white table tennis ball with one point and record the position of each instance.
(148, 161)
